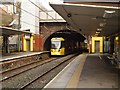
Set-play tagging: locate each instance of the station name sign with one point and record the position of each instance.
(27, 36)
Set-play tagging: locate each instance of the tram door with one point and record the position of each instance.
(28, 45)
(97, 46)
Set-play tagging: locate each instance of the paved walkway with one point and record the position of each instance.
(62, 79)
(90, 72)
(97, 74)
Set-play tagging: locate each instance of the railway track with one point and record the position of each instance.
(17, 61)
(27, 78)
(18, 70)
(29, 84)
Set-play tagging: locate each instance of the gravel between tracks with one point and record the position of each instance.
(23, 78)
(41, 82)
(16, 71)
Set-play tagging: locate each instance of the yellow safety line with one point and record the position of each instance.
(73, 82)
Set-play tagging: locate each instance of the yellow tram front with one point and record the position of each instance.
(57, 46)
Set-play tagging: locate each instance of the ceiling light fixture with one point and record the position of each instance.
(97, 32)
(99, 29)
(102, 24)
(108, 14)
(109, 11)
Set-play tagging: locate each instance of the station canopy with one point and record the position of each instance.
(5, 31)
(91, 19)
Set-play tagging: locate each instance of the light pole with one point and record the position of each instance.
(19, 24)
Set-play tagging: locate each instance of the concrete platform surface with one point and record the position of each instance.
(16, 55)
(97, 74)
(62, 80)
(87, 71)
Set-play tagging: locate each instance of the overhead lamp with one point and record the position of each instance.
(110, 11)
(97, 32)
(99, 29)
(116, 38)
(102, 24)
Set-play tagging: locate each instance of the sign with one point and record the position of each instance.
(27, 36)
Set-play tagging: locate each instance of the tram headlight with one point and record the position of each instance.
(58, 50)
(51, 50)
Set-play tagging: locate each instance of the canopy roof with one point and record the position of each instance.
(90, 18)
(5, 31)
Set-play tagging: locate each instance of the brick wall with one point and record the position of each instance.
(48, 28)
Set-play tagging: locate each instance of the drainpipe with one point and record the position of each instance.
(19, 26)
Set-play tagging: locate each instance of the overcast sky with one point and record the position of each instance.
(45, 3)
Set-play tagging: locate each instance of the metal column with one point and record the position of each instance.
(5, 44)
(111, 51)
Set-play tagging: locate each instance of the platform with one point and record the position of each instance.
(16, 55)
(86, 71)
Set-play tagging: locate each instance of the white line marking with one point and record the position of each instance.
(16, 57)
(100, 57)
(59, 73)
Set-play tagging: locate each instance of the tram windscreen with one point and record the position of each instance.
(55, 44)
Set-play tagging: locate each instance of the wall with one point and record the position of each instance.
(51, 16)
(30, 20)
(37, 43)
(48, 28)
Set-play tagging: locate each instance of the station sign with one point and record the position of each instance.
(27, 36)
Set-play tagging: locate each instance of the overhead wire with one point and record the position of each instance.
(33, 14)
(42, 10)
(26, 11)
(30, 14)
(22, 20)
(46, 13)
(29, 23)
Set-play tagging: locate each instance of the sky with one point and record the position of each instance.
(45, 3)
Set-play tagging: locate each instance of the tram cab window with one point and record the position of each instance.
(62, 44)
(55, 44)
